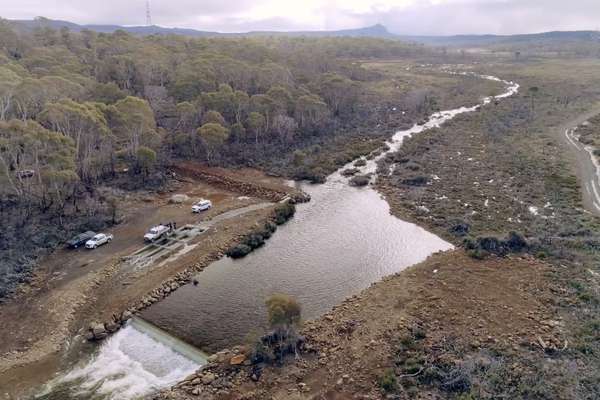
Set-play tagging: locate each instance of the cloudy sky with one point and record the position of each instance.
(400, 16)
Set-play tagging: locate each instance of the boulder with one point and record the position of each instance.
(360, 180)
(179, 199)
(237, 360)
(208, 378)
(98, 329)
(112, 327)
(126, 316)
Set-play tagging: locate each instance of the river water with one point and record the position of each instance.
(340, 243)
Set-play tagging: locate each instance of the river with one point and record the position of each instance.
(341, 242)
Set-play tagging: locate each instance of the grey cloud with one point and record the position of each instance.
(495, 16)
(425, 17)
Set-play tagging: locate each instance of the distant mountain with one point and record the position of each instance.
(378, 30)
(484, 40)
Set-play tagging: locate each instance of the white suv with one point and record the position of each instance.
(202, 205)
(98, 240)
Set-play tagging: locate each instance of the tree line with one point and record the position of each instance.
(80, 108)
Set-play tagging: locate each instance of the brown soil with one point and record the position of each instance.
(497, 303)
(73, 288)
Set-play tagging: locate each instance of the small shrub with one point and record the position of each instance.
(283, 310)
(284, 212)
(388, 381)
(239, 251)
(477, 254)
(360, 180)
(350, 172)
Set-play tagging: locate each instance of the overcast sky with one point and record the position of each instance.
(400, 16)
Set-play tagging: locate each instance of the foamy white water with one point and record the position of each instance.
(136, 361)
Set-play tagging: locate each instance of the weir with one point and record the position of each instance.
(136, 361)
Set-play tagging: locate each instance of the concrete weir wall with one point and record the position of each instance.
(132, 363)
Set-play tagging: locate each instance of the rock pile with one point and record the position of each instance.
(99, 331)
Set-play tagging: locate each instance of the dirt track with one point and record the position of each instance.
(582, 160)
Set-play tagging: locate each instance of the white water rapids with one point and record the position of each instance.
(137, 360)
(134, 362)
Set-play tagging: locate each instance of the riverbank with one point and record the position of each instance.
(76, 289)
(408, 323)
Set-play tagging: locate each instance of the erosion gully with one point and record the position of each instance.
(341, 242)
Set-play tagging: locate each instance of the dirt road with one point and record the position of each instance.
(587, 168)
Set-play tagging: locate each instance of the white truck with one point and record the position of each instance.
(98, 240)
(156, 232)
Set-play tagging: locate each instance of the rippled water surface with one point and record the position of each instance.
(336, 245)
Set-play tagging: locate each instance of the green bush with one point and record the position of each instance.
(284, 212)
(388, 381)
(239, 251)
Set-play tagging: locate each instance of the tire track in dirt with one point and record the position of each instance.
(587, 168)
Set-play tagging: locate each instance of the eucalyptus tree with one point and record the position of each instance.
(86, 124)
(214, 137)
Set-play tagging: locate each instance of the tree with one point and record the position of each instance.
(285, 127)
(146, 158)
(134, 125)
(284, 315)
(241, 101)
(9, 81)
(263, 104)
(339, 92)
(283, 310)
(213, 136)
(214, 117)
(256, 123)
(310, 110)
(50, 156)
(238, 132)
(86, 124)
(282, 99)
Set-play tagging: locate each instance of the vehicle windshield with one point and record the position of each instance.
(154, 230)
(97, 237)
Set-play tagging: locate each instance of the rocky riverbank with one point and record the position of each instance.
(412, 324)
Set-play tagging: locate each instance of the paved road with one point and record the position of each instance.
(587, 168)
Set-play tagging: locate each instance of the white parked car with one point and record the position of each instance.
(202, 205)
(98, 240)
(156, 232)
